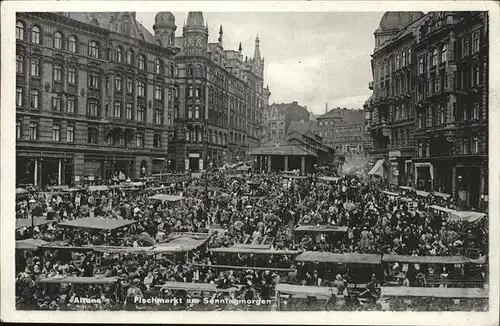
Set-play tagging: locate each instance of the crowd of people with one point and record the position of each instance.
(252, 209)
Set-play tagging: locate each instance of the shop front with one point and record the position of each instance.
(424, 175)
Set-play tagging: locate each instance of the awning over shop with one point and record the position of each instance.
(350, 258)
(451, 293)
(466, 216)
(377, 169)
(97, 223)
(163, 197)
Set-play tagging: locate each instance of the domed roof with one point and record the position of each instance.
(396, 20)
(195, 19)
(165, 18)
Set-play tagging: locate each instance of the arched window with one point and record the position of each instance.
(20, 31)
(35, 35)
(58, 41)
(435, 57)
(119, 54)
(93, 49)
(158, 66)
(130, 57)
(72, 44)
(444, 53)
(141, 62)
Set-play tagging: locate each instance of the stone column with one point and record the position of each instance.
(286, 162)
(35, 178)
(269, 163)
(303, 164)
(59, 173)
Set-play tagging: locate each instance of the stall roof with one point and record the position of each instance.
(205, 287)
(26, 222)
(390, 193)
(466, 216)
(98, 188)
(442, 209)
(329, 179)
(440, 194)
(350, 258)
(164, 197)
(252, 246)
(29, 244)
(426, 259)
(406, 188)
(255, 251)
(422, 193)
(272, 269)
(451, 293)
(321, 228)
(97, 223)
(304, 290)
(78, 280)
(210, 188)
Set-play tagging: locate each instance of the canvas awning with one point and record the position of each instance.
(426, 259)
(231, 267)
(98, 188)
(204, 287)
(466, 216)
(377, 169)
(26, 222)
(451, 293)
(406, 188)
(255, 251)
(321, 228)
(329, 179)
(389, 193)
(164, 197)
(350, 258)
(97, 223)
(304, 290)
(422, 193)
(442, 209)
(78, 280)
(243, 168)
(29, 244)
(442, 195)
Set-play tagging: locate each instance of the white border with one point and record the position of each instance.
(7, 170)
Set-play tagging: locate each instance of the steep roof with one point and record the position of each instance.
(281, 147)
(302, 127)
(396, 20)
(112, 21)
(346, 116)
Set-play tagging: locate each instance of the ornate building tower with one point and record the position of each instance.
(164, 28)
(195, 34)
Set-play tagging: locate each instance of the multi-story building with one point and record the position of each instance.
(93, 96)
(98, 96)
(274, 122)
(221, 100)
(429, 108)
(342, 129)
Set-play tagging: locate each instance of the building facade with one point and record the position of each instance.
(429, 108)
(342, 129)
(98, 96)
(220, 113)
(274, 122)
(92, 97)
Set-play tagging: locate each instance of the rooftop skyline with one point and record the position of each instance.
(310, 57)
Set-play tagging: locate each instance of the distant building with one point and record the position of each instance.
(343, 130)
(279, 117)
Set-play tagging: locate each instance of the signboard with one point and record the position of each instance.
(194, 155)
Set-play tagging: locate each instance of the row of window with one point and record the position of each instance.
(469, 146)
(56, 132)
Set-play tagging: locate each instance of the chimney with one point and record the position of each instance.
(326, 107)
(295, 102)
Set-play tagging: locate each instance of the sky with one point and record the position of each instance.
(310, 57)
